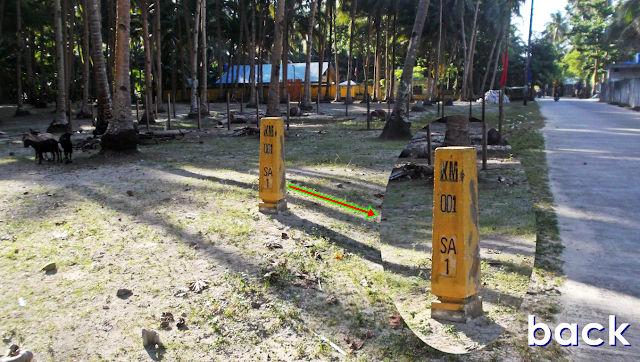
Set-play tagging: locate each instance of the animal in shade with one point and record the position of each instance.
(67, 146)
(50, 145)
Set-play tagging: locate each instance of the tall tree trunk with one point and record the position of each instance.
(252, 56)
(500, 51)
(183, 82)
(377, 97)
(468, 51)
(148, 85)
(366, 61)
(595, 76)
(111, 43)
(157, 36)
(335, 51)
(439, 55)
(273, 105)
(488, 70)
(20, 111)
(322, 33)
(121, 135)
(349, 63)
(327, 97)
(391, 98)
(71, 84)
(387, 73)
(193, 112)
(306, 96)
(261, 54)
(204, 96)
(219, 39)
(471, 57)
(60, 123)
(398, 125)
(85, 110)
(285, 55)
(102, 90)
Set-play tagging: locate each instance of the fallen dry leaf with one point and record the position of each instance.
(285, 236)
(129, 192)
(270, 245)
(395, 320)
(380, 195)
(354, 343)
(366, 333)
(198, 285)
(337, 256)
(332, 299)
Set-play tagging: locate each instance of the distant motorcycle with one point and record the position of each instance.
(556, 97)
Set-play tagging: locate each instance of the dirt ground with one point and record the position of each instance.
(184, 213)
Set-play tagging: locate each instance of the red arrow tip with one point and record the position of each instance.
(370, 213)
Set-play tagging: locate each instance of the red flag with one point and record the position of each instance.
(505, 65)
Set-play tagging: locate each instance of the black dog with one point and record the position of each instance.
(67, 146)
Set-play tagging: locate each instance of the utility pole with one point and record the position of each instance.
(527, 77)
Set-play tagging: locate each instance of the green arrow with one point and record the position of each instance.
(370, 213)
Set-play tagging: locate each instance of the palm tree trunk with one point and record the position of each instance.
(439, 56)
(471, 56)
(42, 97)
(103, 93)
(148, 85)
(71, 84)
(335, 51)
(183, 82)
(204, 96)
(20, 111)
(285, 56)
(60, 122)
(377, 97)
(366, 61)
(306, 96)
(193, 112)
(387, 73)
(323, 33)
(252, 57)
(349, 63)
(219, 39)
(486, 73)
(273, 105)
(500, 51)
(398, 125)
(391, 98)
(468, 57)
(85, 110)
(157, 36)
(120, 135)
(330, 22)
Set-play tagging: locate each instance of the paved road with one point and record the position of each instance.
(593, 151)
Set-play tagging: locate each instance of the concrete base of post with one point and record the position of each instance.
(272, 208)
(457, 310)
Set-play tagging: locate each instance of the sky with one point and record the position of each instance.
(542, 10)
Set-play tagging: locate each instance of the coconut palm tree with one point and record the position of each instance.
(557, 28)
(60, 123)
(193, 56)
(398, 125)
(273, 103)
(306, 97)
(148, 88)
(102, 91)
(120, 134)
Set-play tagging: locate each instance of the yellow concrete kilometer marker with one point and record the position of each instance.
(455, 272)
(272, 187)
